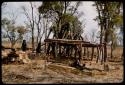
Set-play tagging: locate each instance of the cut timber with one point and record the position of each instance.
(67, 41)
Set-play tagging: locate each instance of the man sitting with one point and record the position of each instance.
(12, 55)
(77, 64)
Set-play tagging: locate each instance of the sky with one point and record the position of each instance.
(89, 13)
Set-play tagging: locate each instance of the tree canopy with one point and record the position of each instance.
(63, 19)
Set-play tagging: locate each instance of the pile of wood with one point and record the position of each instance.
(15, 57)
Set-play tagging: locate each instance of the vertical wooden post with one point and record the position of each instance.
(80, 50)
(92, 53)
(75, 50)
(55, 49)
(97, 54)
(101, 50)
(45, 56)
(45, 48)
(87, 53)
(105, 51)
(59, 50)
(84, 51)
(71, 51)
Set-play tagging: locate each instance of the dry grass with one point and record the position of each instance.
(17, 45)
(117, 52)
(36, 72)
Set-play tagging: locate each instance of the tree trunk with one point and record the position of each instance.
(106, 26)
(32, 27)
(46, 28)
(111, 50)
(97, 54)
(65, 8)
(32, 39)
(102, 51)
(101, 24)
(105, 47)
(101, 35)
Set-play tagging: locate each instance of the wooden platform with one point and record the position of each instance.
(66, 41)
(76, 42)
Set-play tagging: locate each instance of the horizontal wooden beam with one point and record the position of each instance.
(68, 41)
(92, 45)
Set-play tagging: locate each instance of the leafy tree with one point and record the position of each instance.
(108, 18)
(31, 21)
(13, 33)
(36, 21)
(64, 22)
(113, 39)
(62, 14)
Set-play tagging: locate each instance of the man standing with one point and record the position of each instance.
(24, 46)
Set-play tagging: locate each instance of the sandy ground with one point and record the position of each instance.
(37, 72)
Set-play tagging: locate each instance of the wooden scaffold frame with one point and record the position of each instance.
(77, 43)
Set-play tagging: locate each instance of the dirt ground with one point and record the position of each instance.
(41, 72)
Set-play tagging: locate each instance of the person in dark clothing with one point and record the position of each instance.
(77, 64)
(24, 46)
(12, 55)
(38, 49)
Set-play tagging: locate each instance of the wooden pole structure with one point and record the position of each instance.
(56, 53)
(84, 51)
(102, 49)
(75, 51)
(97, 54)
(92, 53)
(45, 48)
(87, 53)
(105, 51)
(77, 46)
(59, 50)
(80, 51)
